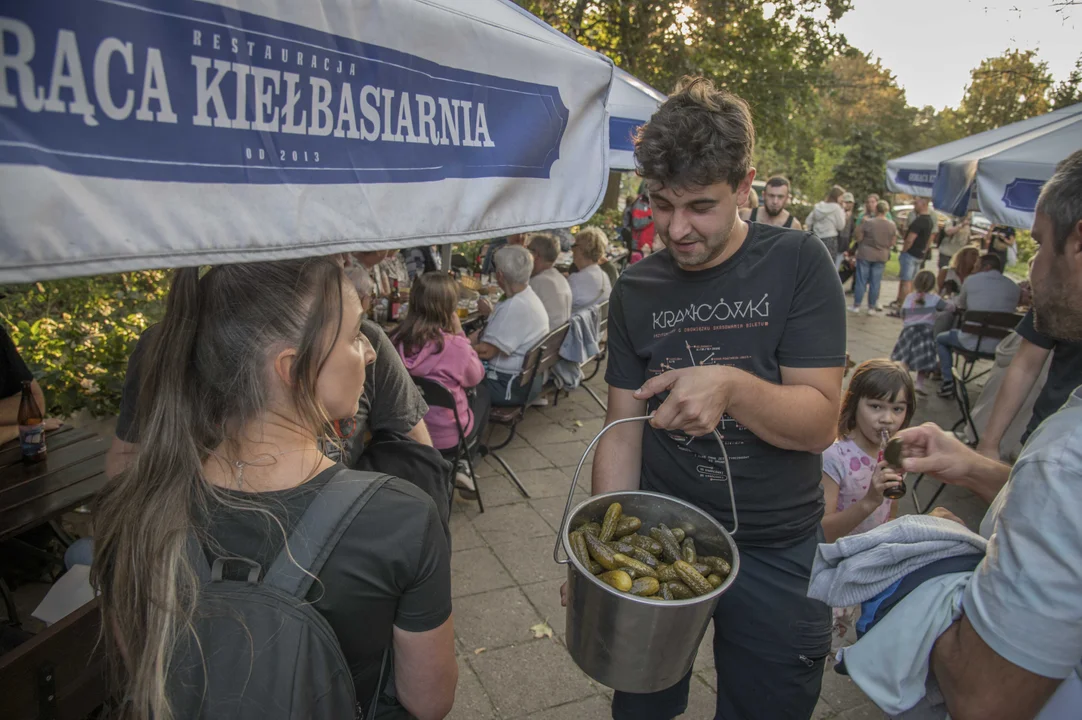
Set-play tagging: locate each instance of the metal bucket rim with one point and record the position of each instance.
(653, 602)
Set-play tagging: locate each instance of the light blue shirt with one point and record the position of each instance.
(1025, 598)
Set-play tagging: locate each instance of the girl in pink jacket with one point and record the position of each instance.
(433, 346)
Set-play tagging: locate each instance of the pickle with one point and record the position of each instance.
(617, 579)
(665, 593)
(687, 549)
(717, 564)
(680, 591)
(665, 573)
(678, 534)
(892, 453)
(701, 568)
(644, 557)
(590, 528)
(692, 578)
(648, 544)
(622, 547)
(595, 568)
(600, 552)
(608, 525)
(714, 579)
(645, 587)
(640, 569)
(670, 547)
(627, 525)
(578, 546)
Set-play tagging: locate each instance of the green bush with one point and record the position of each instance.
(76, 335)
(1026, 246)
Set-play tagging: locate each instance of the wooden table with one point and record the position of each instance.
(72, 474)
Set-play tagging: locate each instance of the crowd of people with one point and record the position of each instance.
(266, 385)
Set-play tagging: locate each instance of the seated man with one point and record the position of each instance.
(590, 285)
(1016, 651)
(547, 281)
(516, 326)
(390, 401)
(986, 290)
(13, 372)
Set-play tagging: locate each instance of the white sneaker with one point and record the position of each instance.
(873, 311)
(463, 481)
(879, 308)
(854, 309)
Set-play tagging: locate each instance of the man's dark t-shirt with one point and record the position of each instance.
(390, 569)
(390, 401)
(776, 303)
(13, 370)
(1064, 374)
(923, 227)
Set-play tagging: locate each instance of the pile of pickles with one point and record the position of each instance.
(661, 564)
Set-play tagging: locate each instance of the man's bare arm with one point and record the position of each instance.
(420, 433)
(909, 240)
(979, 684)
(618, 457)
(1022, 373)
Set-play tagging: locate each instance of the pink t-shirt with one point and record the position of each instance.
(852, 469)
(456, 367)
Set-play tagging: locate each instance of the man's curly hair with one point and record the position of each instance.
(698, 137)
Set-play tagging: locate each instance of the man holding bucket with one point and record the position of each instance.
(741, 328)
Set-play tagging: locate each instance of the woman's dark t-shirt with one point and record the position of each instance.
(391, 567)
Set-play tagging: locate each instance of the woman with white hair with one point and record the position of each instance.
(517, 324)
(590, 285)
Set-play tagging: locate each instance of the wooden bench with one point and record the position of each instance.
(60, 674)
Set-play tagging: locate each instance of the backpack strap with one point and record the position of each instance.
(754, 214)
(320, 528)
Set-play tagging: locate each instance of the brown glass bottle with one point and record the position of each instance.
(396, 301)
(31, 426)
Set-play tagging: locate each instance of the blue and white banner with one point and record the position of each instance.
(921, 173)
(143, 133)
(631, 103)
(1009, 182)
(1049, 136)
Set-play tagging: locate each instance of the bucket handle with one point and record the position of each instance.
(575, 481)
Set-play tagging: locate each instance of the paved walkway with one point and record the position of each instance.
(506, 585)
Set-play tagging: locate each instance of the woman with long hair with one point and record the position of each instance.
(238, 386)
(433, 346)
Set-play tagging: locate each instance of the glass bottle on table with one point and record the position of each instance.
(31, 426)
(396, 302)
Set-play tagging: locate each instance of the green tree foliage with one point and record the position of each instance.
(769, 58)
(1005, 89)
(76, 335)
(862, 169)
(818, 175)
(1069, 91)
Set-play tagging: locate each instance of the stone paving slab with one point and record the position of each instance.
(530, 677)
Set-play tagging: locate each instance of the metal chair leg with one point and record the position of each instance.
(592, 394)
(473, 476)
(510, 436)
(916, 500)
(511, 474)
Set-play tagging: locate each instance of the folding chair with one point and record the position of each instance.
(985, 326)
(961, 396)
(602, 343)
(436, 395)
(539, 360)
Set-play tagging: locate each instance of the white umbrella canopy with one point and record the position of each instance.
(631, 104)
(1010, 181)
(167, 133)
(954, 186)
(916, 173)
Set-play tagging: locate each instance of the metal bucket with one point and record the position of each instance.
(630, 643)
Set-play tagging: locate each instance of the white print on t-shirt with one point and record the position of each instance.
(705, 312)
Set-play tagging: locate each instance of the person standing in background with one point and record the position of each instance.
(956, 237)
(827, 221)
(915, 245)
(875, 237)
(775, 198)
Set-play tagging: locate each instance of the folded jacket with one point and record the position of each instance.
(859, 567)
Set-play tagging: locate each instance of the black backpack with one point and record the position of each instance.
(260, 650)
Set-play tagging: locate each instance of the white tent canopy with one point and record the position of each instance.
(954, 185)
(631, 104)
(162, 133)
(915, 174)
(1010, 181)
